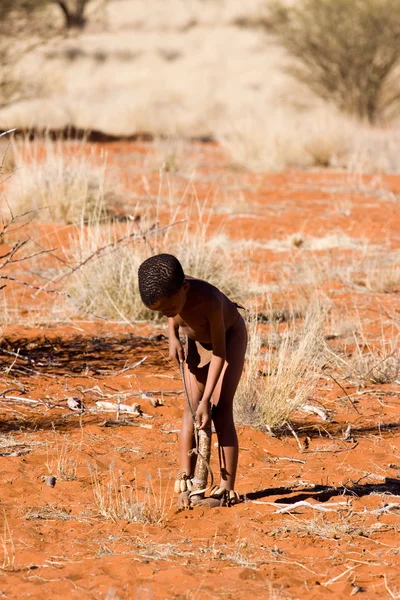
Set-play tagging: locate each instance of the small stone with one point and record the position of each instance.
(51, 481)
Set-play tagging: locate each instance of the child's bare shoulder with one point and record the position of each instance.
(203, 291)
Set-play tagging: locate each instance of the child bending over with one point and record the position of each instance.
(216, 344)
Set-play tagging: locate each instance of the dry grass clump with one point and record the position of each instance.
(383, 280)
(369, 362)
(323, 527)
(264, 140)
(279, 378)
(64, 464)
(116, 500)
(62, 179)
(49, 512)
(107, 284)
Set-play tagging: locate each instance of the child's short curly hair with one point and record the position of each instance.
(160, 276)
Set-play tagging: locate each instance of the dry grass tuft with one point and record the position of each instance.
(116, 500)
(366, 361)
(49, 512)
(107, 285)
(63, 180)
(64, 464)
(281, 377)
(264, 141)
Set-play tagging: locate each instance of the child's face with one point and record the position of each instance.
(173, 305)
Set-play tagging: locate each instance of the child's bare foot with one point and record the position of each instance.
(208, 502)
(226, 497)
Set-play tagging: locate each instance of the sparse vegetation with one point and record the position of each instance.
(318, 403)
(281, 377)
(107, 285)
(117, 500)
(64, 181)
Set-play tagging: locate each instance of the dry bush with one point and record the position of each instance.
(346, 52)
(64, 180)
(116, 500)
(279, 378)
(107, 285)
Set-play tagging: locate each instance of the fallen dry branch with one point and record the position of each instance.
(334, 579)
(316, 410)
(302, 504)
(387, 508)
(113, 245)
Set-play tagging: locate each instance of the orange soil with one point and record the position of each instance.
(55, 542)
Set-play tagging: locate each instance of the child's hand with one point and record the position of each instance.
(176, 352)
(203, 414)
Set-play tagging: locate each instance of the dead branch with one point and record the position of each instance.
(113, 245)
(346, 394)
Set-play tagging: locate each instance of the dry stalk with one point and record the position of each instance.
(8, 545)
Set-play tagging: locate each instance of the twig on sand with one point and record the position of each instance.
(294, 434)
(288, 458)
(302, 504)
(334, 579)
(387, 508)
(305, 504)
(346, 397)
(316, 410)
(389, 591)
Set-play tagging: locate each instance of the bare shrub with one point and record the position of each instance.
(281, 377)
(65, 178)
(346, 52)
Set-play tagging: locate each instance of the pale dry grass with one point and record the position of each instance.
(107, 285)
(7, 542)
(270, 140)
(116, 500)
(281, 377)
(322, 527)
(369, 361)
(62, 180)
(63, 458)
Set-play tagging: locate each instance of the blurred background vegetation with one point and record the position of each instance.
(276, 82)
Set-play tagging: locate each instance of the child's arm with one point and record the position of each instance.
(175, 347)
(217, 331)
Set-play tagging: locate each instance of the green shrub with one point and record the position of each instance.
(346, 51)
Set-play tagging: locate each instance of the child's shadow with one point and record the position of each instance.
(322, 493)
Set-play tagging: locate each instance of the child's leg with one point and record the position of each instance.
(223, 400)
(195, 383)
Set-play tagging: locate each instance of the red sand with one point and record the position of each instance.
(55, 542)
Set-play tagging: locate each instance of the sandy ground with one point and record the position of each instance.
(342, 540)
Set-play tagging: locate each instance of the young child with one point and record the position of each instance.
(216, 344)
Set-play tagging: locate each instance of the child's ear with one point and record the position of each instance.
(186, 286)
